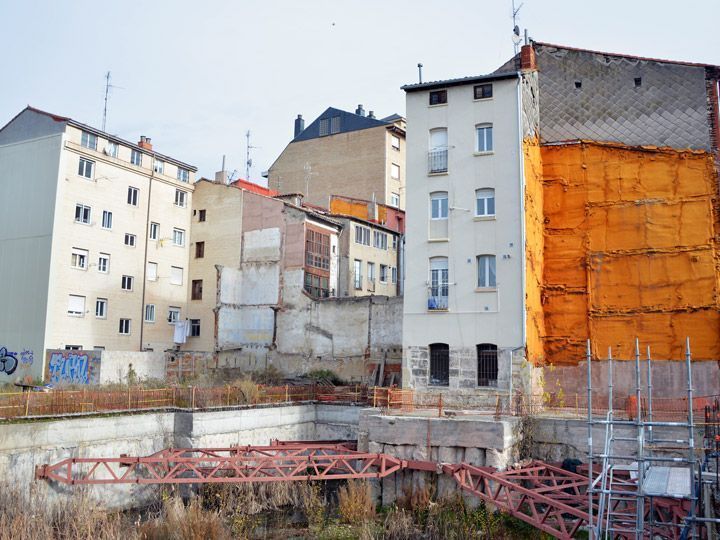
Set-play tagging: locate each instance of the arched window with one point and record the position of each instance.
(439, 205)
(487, 359)
(438, 151)
(439, 364)
(485, 202)
(438, 298)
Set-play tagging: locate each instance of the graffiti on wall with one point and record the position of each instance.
(8, 361)
(73, 367)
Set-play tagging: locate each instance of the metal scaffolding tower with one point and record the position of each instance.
(627, 489)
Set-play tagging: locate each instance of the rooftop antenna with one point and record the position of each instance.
(420, 66)
(248, 159)
(108, 86)
(516, 29)
(308, 174)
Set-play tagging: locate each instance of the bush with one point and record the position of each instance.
(191, 522)
(270, 376)
(322, 375)
(355, 503)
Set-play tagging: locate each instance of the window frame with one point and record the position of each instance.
(383, 276)
(84, 209)
(195, 327)
(183, 174)
(148, 273)
(86, 168)
(200, 249)
(393, 145)
(79, 255)
(439, 370)
(484, 128)
(158, 166)
(136, 157)
(154, 232)
(178, 234)
(130, 240)
(435, 196)
(395, 200)
(101, 313)
(488, 264)
(363, 233)
(174, 314)
(196, 289)
(113, 149)
(357, 274)
(76, 313)
(151, 311)
(202, 215)
(394, 168)
(124, 331)
(487, 365)
(133, 196)
(103, 269)
(173, 281)
(441, 97)
(127, 283)
(89, 140)
(479, 197)
(482, 87)
(107, 219)
(180, 198)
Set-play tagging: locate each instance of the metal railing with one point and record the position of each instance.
(437, 303)
(437, 161)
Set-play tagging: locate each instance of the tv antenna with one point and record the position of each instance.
(308, 175)
(108, 86)
(248, 159)
(516, 29)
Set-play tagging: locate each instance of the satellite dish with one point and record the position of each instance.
(106, 151)
(516, 30)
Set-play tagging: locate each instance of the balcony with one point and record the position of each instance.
(438, 161)
(437, 303)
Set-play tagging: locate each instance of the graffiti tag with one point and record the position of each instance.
(8, 361)
(73, 367)
(26, 356)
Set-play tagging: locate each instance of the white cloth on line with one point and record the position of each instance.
(182, 331)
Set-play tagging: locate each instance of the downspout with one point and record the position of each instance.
(145, 255)
(521, 175)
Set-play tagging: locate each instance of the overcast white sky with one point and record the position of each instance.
(196, 75)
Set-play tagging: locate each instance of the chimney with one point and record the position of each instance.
(299, 125)
(221, 177)
(145, 142)
(527, 58)
(371, 114)
(360, 111)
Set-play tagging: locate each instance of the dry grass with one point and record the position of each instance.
(355, 502)
(180, 522)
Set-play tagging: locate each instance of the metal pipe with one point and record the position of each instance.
(640, 504)
(691, 429)
(588, 360)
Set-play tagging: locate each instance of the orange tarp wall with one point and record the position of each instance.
(629, 251)
(358, 209)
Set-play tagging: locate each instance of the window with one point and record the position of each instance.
(362, 235)
(196, 292)
(383, 273)
(439, 279)
(113, 149)
(76, 305)
(487, 359)
(379, 240)
(176, 275)
(183, 175)
(107, 219)
(79, 258)
(173, 314)
(199, 250)
(124, 327)
(104, 263)
(85, 168)
(324, 127)
(101, 305)
(159, 166)
(317, 249)
(371, 271)
(180, 198)
(394, 241)
(154, 230)
(149, 312)
(394, 274)
(484, 138)
(394, 171)
(82, 214)
(395, 200)
(439, 205)
(202, 214)
(316, 286)
(438, 152)
(485, 202)
(88, 140)
(152, 271)
(486, 271)
(194, 327)
(127, 283)
(129, 239)
(395, 141)
(136, 157)
(483, 91)
(335, 124)
(178, 237)
(132, 197)
(438, 97)
(439, 364)
(73, 347)
(357, 274)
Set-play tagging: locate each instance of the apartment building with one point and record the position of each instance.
(344, 153)
(566, 197)
(95, 242)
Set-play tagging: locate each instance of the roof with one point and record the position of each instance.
(108, 136)
(628, 56)
(496, 76)
(348, 122)
(255, 188)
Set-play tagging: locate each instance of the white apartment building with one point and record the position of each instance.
(94, 238)
(464, 310)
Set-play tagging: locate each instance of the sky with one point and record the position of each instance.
(197, 75)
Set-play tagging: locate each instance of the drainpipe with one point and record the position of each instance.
(145, 255)
(521, 177)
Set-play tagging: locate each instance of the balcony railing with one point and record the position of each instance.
(437, 303)
(438, 161)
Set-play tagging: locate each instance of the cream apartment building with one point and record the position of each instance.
(343, 153)
(464, 314)
(95, 243)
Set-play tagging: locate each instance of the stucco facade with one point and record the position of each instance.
(80, 228)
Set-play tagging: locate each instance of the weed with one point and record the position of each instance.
(355, 502)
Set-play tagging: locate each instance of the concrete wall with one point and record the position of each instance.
(23, 446)
(115, 366)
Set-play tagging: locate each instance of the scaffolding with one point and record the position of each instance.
(651, 492)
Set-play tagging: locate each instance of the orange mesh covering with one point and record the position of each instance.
(358, 209)
(534, 251)
(628, 251)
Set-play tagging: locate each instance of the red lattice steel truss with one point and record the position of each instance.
(547, 497)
